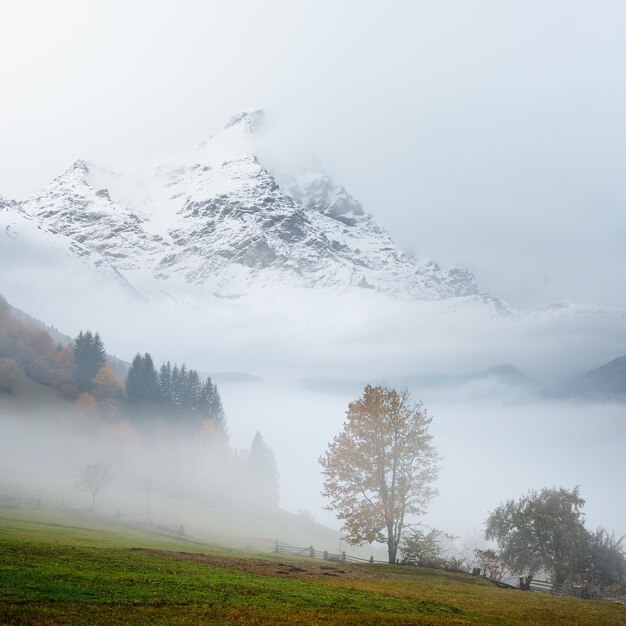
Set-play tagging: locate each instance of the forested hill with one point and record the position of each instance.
(163, 402)
(81, 371)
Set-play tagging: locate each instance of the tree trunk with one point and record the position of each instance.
(391, 544)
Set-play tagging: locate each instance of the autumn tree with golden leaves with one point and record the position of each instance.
(378, 472)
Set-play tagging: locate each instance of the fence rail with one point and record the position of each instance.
(545, 586)
(311, 552)
(17, 502)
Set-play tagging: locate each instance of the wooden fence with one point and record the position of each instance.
(542, 586)
(579, 591)
(311, 552)
(9, 501)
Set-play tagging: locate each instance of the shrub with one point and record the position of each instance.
(11, 374)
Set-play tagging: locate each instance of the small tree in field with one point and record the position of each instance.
(94, 478)
(378, 471)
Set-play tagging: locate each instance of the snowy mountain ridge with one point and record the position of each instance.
(216, 219)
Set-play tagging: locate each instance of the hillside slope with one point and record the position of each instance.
(63, 570)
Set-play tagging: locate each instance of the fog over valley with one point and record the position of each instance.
(342, 281)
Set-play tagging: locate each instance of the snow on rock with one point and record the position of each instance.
(215, 217)
(48, 263)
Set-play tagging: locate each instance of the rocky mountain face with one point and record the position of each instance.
(216, 218)
(25, 242)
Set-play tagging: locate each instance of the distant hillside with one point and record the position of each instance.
(120, 366)
(505, 374)
(605, 382)
(55, 334)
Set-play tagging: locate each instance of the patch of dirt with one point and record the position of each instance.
(266, 568)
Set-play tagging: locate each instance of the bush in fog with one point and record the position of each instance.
(11, 374)
(604, 563)
(491, 564)
(108, 391)
(426, 549)
(94, 478)
(86, 405)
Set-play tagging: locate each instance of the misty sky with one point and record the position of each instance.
(487, 134)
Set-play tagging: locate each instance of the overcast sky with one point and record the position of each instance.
(488, 134)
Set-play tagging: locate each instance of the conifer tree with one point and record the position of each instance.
(165, 385)
(142, 389)
(150, 380)
(210, 404)
(216, 409)
(133, 381)
(175, 393)
(183, 401)
(89, 357)
(194, 387)
(263, 471)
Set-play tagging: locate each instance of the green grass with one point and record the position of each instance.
(57, 569)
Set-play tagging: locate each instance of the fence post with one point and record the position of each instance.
(312, 552)
(276, 548)
(343, 557)
(325, 555)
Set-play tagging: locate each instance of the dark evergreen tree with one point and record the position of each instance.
(142, 388)
(134, 381)
(216, 408)
(263, 471)
(165, 385)
(210, 404)
(89, 357)
(194, 389)
(99, 352)
(183, 398)
(175, 392)
(150, 381)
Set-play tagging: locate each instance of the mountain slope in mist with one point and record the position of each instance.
(215, 217)
(605, 382)
(239, 257)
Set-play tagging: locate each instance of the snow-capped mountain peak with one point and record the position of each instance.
(217, 220)
(250, 120)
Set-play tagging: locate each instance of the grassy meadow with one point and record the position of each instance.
(56, 568)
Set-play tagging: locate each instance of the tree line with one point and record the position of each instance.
(83, 372)
(172, 393)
